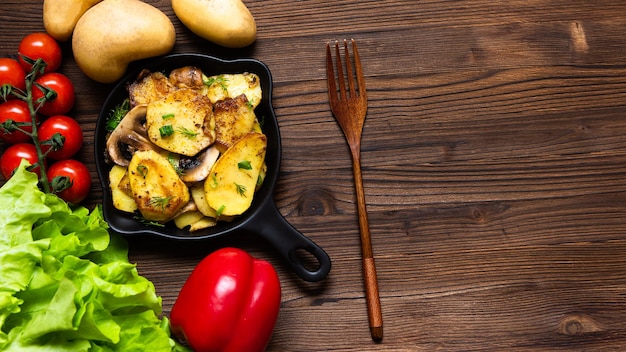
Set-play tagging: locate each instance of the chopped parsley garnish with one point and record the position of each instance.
(220, 210)
(142, 170)
(214, 181)
(244, 164)
(166, 130)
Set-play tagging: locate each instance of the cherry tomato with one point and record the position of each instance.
(40, 45)
(11, 158)
(68, 128)
(11, 72)
(64, 100)
(17, 111)
(78, 175)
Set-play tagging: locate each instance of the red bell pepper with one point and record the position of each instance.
(230, 302)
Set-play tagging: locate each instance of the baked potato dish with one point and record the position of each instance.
(187, 148)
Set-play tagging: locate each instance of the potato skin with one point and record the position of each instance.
(60, 16)
(228, 23)
(113, 33)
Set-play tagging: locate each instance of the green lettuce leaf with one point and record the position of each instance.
(67, 284)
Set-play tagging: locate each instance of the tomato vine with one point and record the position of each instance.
(7, 91)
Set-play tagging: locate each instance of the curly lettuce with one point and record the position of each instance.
(67, 284)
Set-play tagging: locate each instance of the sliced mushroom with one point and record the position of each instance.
(188, 76)
(129, 136)
(197, 168)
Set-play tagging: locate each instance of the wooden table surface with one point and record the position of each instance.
(494, 165)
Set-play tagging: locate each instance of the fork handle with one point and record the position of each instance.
(372, 296)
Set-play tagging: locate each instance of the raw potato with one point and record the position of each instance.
(60, 16)
(113, 33)
(228, 23)
(229, 189)
(157, 189)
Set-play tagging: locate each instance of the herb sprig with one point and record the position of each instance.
(117, 114)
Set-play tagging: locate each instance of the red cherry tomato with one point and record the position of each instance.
(11, 158)
(64, 100)
(17, 111)
(68, 128)
(11, 72)
(40, 45)
(78, 175)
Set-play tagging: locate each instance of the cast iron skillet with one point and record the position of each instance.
(263, 217)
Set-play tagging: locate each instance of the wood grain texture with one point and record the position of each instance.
(493, 161)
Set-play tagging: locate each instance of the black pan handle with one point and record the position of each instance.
(289, 242)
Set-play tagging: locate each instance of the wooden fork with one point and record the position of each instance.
(350, 107)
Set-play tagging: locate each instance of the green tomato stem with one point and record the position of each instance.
(38, 67)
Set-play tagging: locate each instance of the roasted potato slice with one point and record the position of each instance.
(182, 122)
(157, 189)
(262, 174)
(234, 118)
(257, 126)
(199, 197)
(120, 189)
(149, 86)
(124, 184)
(220, 87)
(194, 220)
(230, 187)
(203, 223)
(187, 219)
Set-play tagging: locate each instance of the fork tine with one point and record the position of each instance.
(330, 76)
(337, 74)
(359, 71)
(349, 69)
(340, 76)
